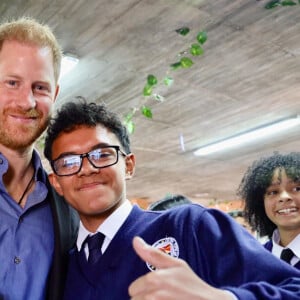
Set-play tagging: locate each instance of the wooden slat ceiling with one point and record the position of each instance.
(248, 76)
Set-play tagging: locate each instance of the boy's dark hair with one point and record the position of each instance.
(82, 113)
(169, 202)
(255, 182)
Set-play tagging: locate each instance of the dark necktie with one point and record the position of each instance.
(287, 255)
(94, 243)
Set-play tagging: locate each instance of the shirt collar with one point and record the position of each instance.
(40, 173)
(109, 227)
(294, 245)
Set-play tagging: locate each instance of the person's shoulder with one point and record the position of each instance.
(185, 208)
(187, 216)
(177, 211)
(182, 211)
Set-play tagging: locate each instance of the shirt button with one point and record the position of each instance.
(17, 260)
(1, 161)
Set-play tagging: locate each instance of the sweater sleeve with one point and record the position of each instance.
(237, 262)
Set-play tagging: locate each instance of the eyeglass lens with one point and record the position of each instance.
(99, 158)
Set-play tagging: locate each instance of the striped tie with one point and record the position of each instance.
(94, 243)
(287, 255)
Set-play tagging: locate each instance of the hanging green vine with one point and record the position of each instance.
(275, 3)
(185, 61)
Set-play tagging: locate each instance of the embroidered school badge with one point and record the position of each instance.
(168, 245)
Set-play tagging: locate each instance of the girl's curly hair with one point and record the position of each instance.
(255, 182)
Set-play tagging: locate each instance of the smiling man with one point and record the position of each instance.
(37, 227)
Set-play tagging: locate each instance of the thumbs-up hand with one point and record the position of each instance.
(172, 279)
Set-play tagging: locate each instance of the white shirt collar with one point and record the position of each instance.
(109, 227)
(294, 245)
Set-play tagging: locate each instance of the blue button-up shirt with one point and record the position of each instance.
(26, 240)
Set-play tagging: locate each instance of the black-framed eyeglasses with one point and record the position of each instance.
(101, 157)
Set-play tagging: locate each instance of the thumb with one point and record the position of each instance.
(153, 256)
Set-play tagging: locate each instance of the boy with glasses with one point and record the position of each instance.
(196, 253)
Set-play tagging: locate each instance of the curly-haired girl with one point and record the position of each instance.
(271, 191)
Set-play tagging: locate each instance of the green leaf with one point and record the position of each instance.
(176, 65)
(129, 117)
(130, 126)
(271, 4)
(147, 90)
(288, 3)
(196, 50)
(169, 80)
(186, 62)
(183, 31)
(202, 37)
(151, 80)
(147, 112)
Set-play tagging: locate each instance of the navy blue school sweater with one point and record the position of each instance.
(218, 250)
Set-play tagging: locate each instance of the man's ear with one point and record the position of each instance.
(130, 165)
(53, 180)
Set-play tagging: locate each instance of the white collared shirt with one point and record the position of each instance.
(109, 227)
(294, 245)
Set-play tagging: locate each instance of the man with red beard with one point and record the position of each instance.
(31, 244)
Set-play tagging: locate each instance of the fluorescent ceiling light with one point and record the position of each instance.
(68, 63)
(249, 136)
